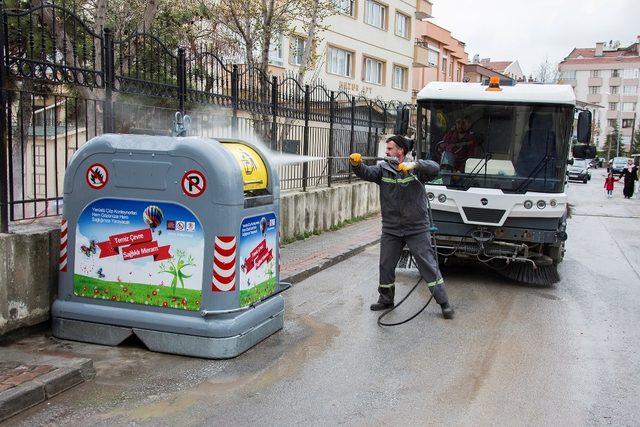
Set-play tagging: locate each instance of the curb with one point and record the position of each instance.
(305, 274)
(24, 396)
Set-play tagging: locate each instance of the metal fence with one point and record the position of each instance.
(63, 83)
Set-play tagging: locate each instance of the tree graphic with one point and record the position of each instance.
(174, 267)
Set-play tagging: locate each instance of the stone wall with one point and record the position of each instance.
(29, 255)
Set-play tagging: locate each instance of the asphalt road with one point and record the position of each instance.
(514, 355)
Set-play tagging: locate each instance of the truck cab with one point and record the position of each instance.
(499, 197)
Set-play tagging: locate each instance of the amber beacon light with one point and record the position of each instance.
(494, 84)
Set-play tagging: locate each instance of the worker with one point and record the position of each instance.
(403, 201)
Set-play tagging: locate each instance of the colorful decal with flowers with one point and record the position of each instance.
(258, 239)
(139, 252)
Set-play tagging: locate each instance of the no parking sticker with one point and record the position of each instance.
(193, 183)
(97, 176)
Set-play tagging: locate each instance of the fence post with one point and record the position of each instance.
(305, 141)
(4, 143)
(369, 153)
(234, 98)
(182, 79)
(352, 132)
(331, 121)
(108, 72)
(274, 113)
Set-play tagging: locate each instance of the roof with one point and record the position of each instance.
(497, 65)
(588, 55)
(534, 93)
(484, 71)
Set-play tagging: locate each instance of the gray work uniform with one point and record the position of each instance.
(403, 202)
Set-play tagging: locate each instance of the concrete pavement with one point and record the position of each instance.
(514, 355)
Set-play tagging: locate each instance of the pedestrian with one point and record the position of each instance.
(403, 202)
(630, 174)
(608, 184)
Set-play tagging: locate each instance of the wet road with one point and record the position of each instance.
(514, 355)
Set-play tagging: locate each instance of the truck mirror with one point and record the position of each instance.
(583, 151)
(584, 127)
(402, 120)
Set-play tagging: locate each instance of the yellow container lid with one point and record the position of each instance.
(254, 171)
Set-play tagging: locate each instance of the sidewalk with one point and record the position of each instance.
(29, 376)
(304, 258)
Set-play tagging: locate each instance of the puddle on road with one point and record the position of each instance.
(316, 338)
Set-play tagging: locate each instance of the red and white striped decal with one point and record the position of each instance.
(224, 264)
(63, 245)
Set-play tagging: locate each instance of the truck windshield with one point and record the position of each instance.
(515, 147)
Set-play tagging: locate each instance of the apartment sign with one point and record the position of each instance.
(350, 87)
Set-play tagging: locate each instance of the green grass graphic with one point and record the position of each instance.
(136, 293)
(258, 292)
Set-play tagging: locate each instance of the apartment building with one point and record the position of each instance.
(366, 49)
(438, 56)
(607, 75)
(476, 73)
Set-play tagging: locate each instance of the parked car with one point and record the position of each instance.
(579, 171)
(618, 164)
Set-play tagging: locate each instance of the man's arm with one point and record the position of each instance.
(368, 173)
(426, 169)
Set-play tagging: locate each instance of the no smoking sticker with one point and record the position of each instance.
(97, 176)
(193, 183)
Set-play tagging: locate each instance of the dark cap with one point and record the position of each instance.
(402, 142)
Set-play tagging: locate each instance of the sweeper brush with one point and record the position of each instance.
(525, 272)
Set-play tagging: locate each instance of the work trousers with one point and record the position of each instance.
(420, 247)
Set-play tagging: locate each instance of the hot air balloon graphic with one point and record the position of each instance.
(152, 216)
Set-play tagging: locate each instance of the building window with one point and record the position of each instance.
(375, 14)
(613, 106)
(630, 90)
(402, 25)
(276, 55)
(373, 71)
(340, 62)
(613, 90)
(296, 50)
(400, 77)
(568, 75)
(444, 65)
(595, 73)
(630, 73)
(615, 73)
(611, 123)
(628, 106)
(345, 6)
(594, 90)
(432, 56)
(627, 123)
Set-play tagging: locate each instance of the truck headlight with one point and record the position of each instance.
(553, 203)
(430, 196)
(528, 204)
(442, 198)
(541, 204)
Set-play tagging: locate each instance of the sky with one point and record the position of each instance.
(532, 30)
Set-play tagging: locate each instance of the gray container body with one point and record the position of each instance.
(154, 226)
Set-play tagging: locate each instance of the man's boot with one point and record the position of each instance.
(385, 300)
(447, 310)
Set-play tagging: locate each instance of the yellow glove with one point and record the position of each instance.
(405, 167)
(355, 159)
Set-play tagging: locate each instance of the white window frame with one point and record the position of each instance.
(595, 73)
(372, 68)
(346, 7)
(374, 12)
(614, 105)
(276, 51)
(630, 73)
(630, 90)
(295, 52)
(407, 25)
(613, 90)
(569, 75)
(611, 123)
(431, 54)
(594, 90)
(404, 76)
(628, 106)
(334, 56)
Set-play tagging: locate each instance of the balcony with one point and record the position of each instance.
(594, 98)
(612, 114)
(594, 81)
(420, 54)
(631, 82)
(423, 9)
(613, 97)
(628, 115)
(629, 98)
(615, 81)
